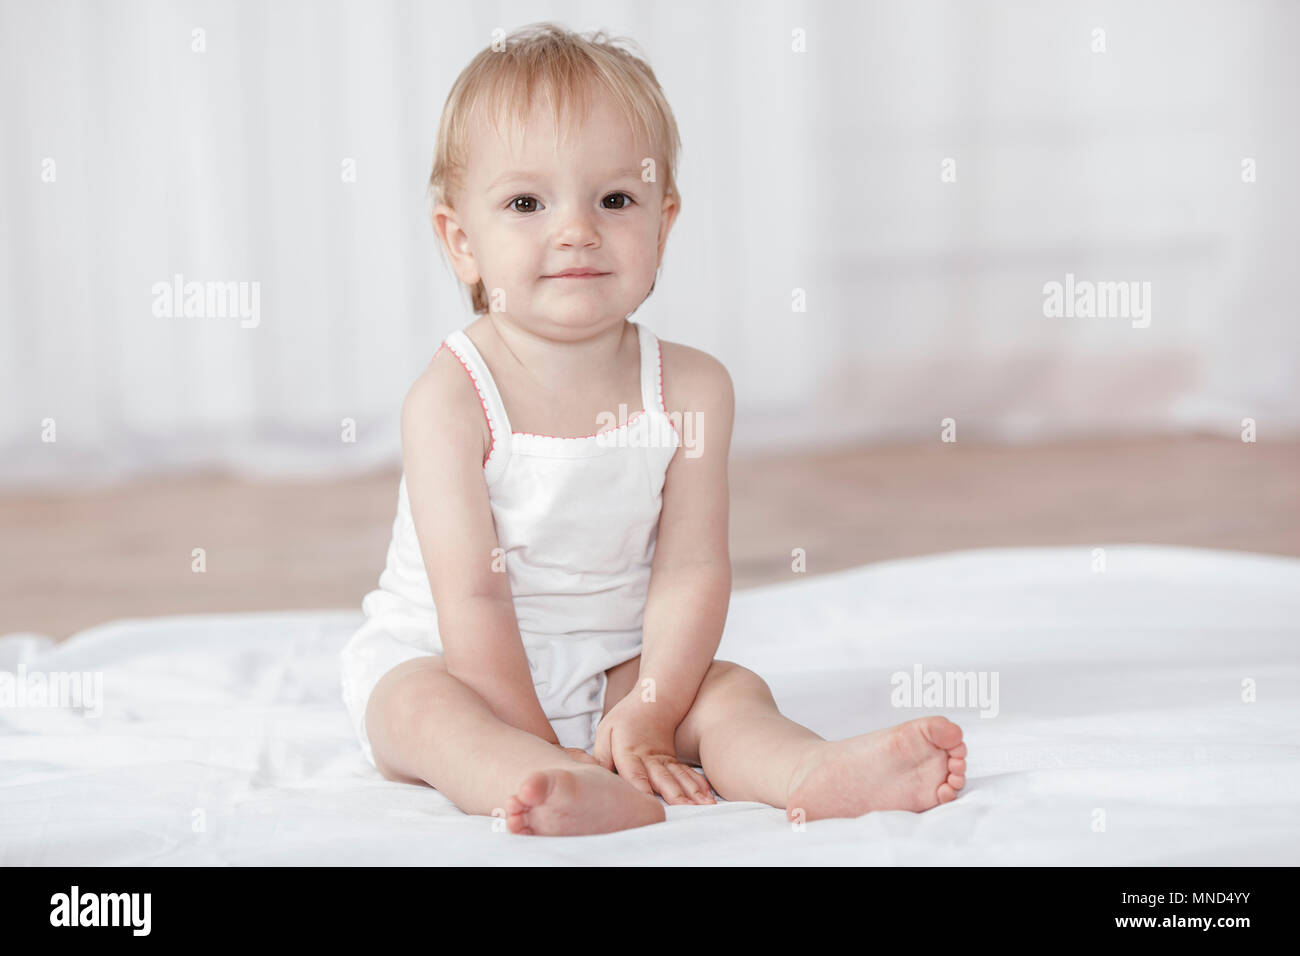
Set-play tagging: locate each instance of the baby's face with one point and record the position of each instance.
(535, 208)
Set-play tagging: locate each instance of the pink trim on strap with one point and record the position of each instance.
(660, 350)
(482, 401)
(607, 431)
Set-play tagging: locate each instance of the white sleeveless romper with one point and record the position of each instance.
(577, 520)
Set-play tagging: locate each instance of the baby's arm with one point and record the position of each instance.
(442, 452)
(690, 580)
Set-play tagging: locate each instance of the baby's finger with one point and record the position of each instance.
(667, 783)
(693, 783)
(602, 750)
(631, 769)
(687, 780)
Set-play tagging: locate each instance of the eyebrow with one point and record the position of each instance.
(520, 174)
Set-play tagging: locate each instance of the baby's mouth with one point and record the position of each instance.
(578, 274)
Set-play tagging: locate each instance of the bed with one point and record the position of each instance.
(1147, 713)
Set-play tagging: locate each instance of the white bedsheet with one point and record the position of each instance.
(223, 739)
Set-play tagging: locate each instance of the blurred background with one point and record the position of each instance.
(876, 199)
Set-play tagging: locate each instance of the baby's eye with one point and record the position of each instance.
(519, 199)
(624, 205)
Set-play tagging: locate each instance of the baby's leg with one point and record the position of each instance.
(425, 725)
(750, 751)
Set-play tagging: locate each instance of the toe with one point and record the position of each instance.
(956, 780)
(956, 765)
(945, 793)
(942, 732)
(958, 751)
(534, 788)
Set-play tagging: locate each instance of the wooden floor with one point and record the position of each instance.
(72, 561)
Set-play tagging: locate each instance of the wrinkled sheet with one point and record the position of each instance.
(1125, 731)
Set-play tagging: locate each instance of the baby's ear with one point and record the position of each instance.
(446, 226)
(667, 216)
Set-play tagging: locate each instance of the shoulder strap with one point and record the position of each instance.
(493, 407)
(652, 370)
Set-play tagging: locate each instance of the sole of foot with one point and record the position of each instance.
(913, 766)
(579, 801)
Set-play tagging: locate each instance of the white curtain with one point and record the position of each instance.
(816, 139)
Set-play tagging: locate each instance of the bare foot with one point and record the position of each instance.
(582, 800)
(914, 766)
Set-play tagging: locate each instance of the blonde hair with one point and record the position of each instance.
(565, 68)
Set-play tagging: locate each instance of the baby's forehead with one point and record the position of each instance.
(536, 141)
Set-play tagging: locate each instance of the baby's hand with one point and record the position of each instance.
(635, 742)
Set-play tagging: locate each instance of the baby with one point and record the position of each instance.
(540, 646)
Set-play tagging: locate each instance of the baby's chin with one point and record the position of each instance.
(579, 301)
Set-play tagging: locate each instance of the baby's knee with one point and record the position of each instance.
(735, 678)
(402, 700)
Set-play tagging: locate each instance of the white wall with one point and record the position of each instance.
(818, 170)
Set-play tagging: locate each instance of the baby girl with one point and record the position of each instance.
(540, 646)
